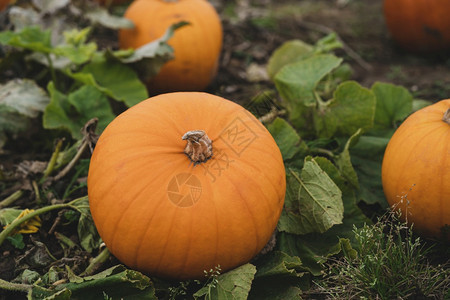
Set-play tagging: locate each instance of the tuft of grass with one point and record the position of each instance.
(391, 263)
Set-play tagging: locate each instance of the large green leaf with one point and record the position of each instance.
(87, 232)
(286, 138)
(394, 103)
(149, 58)
(297, 82)
(31, 38)
(278, 276)
(296, 50)
(313, 249)
(367, 156)
(289, 52)
(72, 111)
(351, 209)
(343, 160)
(234, 284)
(353, 107)
(313, 201)
(114, 79)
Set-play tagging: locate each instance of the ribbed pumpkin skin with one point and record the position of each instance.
(417, 164)
(135, 162)
(196, 46)
(419, 26)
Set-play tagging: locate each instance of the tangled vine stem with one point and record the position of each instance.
(446, 117)
(96, 262)
(198, 147)
(10, 228)
(18, 287)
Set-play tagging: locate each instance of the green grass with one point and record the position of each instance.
(391, 263)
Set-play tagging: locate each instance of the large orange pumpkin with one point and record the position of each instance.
(416, 170)
(183, 182)
(419, 25)
(196, 46)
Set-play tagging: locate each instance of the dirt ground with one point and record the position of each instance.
(254, 29)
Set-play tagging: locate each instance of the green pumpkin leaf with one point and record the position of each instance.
(278, 276)
(114, 79)
(313, 201)
(394, 104)
(289, 52)
(30, 38)
(297, 82)
(286, 138)
(296, 50)
(277, 263)
(367, 156)
(344, 163)
(234, 284)
(314, 249)
(87, 232)
(352, 108)
(149, 58)
(73, 111)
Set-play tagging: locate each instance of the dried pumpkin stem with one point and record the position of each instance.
(446, 117)
(198, 147)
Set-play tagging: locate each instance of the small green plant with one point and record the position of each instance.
(180, 290)
(390, 264)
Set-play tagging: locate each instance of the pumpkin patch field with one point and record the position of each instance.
(211, 149)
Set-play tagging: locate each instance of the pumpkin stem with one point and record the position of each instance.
(198, 147)
(446, 117)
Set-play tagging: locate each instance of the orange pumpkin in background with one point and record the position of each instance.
(420, 26)
(184, 182)
(196, 46)
(416, 170)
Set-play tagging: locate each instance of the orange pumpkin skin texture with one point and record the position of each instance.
(416, 170)
(196, 46)
(160, 213)
(421, 26)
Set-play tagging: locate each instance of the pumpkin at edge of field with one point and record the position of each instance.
(170, 212)
(196, 46)
(419, 26)
(416, 170)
